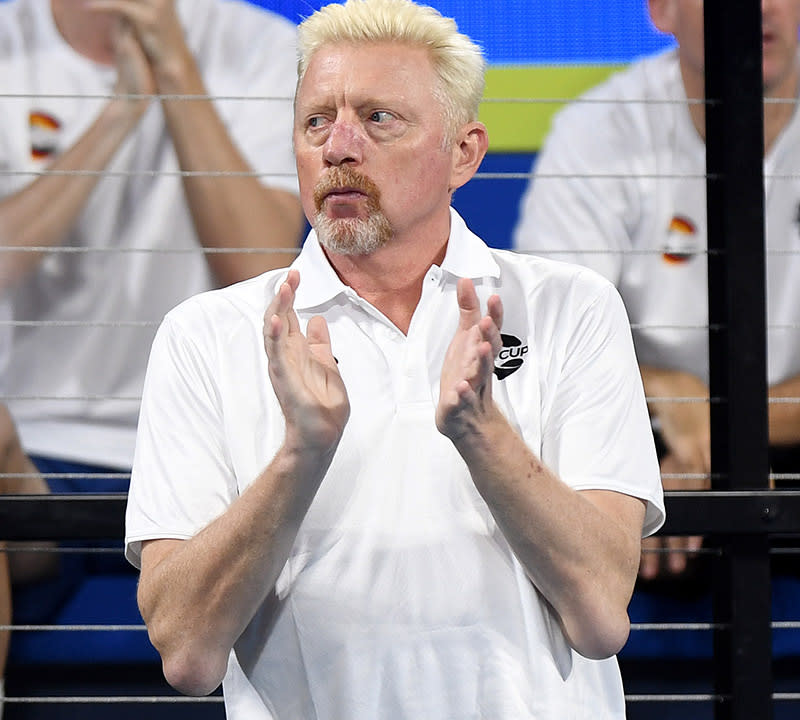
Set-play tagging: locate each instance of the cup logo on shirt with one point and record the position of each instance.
(681, 244)
(44, 129)
(510, 357)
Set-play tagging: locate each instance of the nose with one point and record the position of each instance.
(344, 144)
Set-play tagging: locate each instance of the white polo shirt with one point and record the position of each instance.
(401, 597)
(620, 187)
(88, 317)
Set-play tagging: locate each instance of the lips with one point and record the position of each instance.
(344, 186)
(345, 193)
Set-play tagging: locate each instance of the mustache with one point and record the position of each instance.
(341, 177)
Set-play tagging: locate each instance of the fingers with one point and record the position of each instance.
(495, 308)
(470, 314)
(670, 554)
(319, 340)
(676, 556)
(468, 303)
(135, 10)
(650, 559)
(280, 317)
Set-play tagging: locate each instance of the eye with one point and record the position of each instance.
(381, 116)
(315, 121)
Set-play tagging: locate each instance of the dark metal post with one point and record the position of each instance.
(737, 345)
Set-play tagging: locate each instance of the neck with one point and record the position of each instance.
(391, 278)
(776, 114)
(88, 32)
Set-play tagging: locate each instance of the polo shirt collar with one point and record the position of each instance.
(467, 256)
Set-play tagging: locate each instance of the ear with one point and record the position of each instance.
(468, 151)
(662, 15)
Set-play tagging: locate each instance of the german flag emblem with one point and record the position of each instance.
(44, 134)
(681, 240)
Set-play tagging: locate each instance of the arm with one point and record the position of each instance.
(586, 575)
(228, 212)
(197, 596)
(784, 417)
(22, 222)
(679, 400)
(19, 476)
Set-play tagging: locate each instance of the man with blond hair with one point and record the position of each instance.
(408, 477)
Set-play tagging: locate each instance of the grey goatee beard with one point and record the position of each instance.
(350, 236)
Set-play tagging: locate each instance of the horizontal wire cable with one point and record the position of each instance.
(153, 323)
(674, 697)
(73, 250)
(634, 626)
(107, 699)
(59, 549)
(137, 398)
(289, 99)
(81, 250)
(480, 175)
(74, 628)
(692, 626)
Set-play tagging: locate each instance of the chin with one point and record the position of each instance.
(352, 236)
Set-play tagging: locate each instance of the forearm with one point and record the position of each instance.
(198, 596)
(64, 193)
(784, 412)
(231, 208)
(582, 559)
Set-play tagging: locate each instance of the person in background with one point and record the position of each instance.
(633, 208)
(409, 476)
(116, 204)
(146, 200)
(18, 476)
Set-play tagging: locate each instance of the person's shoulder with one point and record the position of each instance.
(560, 299)
(624, 96)
(554, 279)
(220, 310)
(13, 14)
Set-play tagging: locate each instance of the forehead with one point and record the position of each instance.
(368, 71)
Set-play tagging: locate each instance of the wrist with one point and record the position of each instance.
(478, 433)
(179, 75)
(124, 113)
(304, 456)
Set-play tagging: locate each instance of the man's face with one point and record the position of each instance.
(779, 35)
(368, 138)
(780, 24)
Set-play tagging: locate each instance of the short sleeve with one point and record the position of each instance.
(597, 433)
(182, 477)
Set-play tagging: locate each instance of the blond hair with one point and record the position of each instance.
(457, 61)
